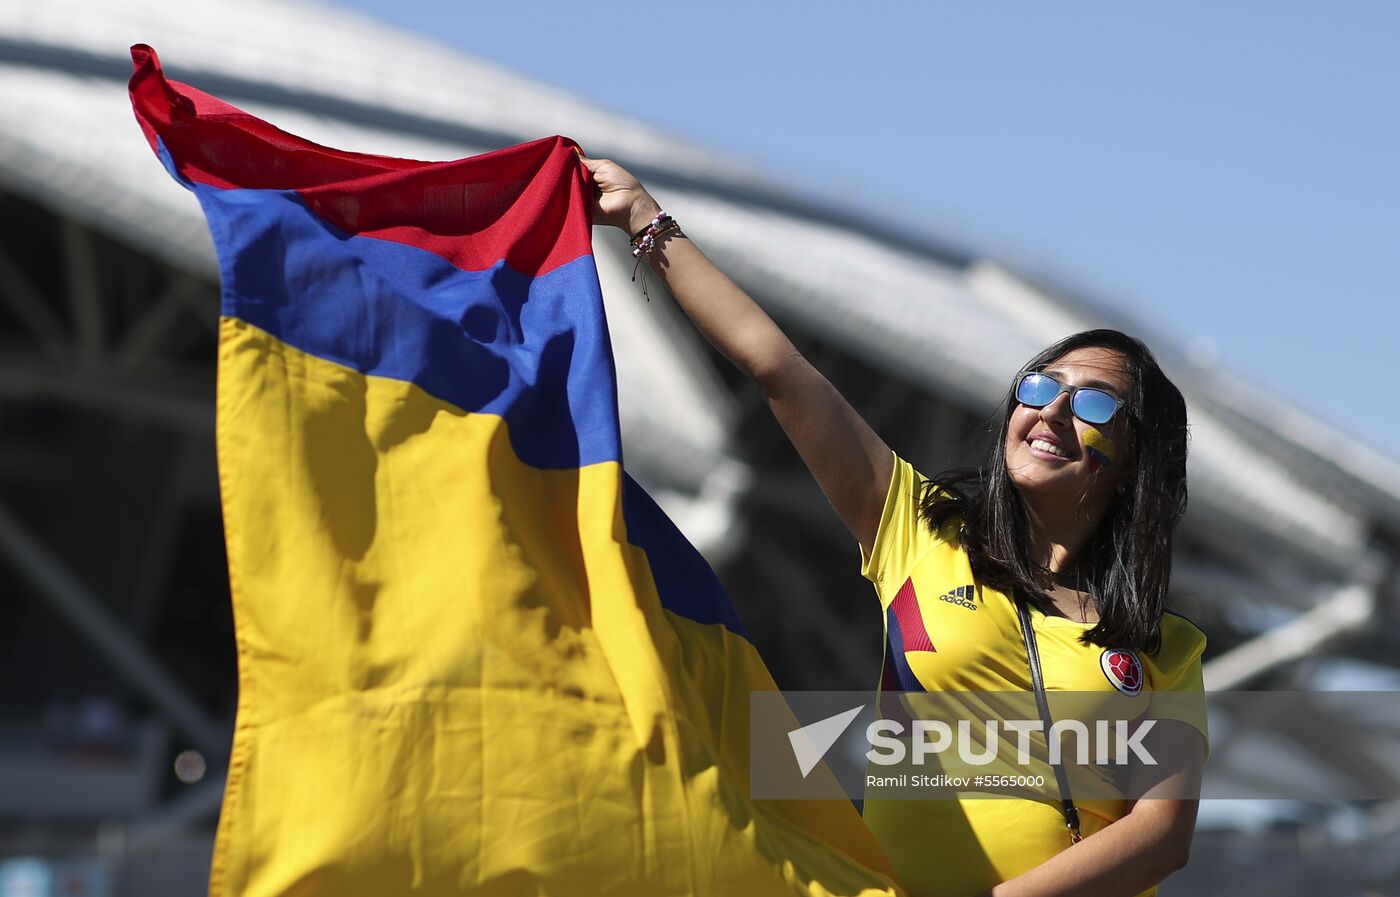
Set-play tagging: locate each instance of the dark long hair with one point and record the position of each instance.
(1126, 565)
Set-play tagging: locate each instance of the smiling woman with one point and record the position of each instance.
(1076, 507)
(1058, 548)
(1071, 514)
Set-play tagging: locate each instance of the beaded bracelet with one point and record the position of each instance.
(647, 239)
(661, 216)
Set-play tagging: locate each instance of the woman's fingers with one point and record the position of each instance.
(615, 192)
(603, 204)
(609, 175)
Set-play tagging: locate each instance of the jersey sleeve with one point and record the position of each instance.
(902, 538)
(1175, 675)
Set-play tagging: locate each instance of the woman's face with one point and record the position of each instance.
(1083, 464)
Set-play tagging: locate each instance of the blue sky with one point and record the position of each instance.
(1230, 174)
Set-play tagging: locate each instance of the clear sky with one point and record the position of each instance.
(1230, 173)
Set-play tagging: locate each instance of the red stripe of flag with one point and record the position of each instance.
(471, 212)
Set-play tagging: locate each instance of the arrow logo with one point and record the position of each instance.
(811, 742)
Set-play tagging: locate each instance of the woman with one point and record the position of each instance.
(1072, 515)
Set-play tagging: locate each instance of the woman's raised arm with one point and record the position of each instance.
(850, 461)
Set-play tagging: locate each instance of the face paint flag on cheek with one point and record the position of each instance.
(1102, 451)
(473, 655)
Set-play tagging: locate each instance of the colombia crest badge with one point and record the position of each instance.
(1123, 669)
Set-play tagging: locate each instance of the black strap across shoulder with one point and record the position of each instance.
(1033, 659)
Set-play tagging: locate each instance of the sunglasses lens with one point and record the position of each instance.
(1093, 406)
(1036, 390)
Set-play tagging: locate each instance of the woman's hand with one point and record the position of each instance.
(619, 199)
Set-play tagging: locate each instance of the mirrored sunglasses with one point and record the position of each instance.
(1091, 405)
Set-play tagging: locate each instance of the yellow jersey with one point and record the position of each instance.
(945, 632)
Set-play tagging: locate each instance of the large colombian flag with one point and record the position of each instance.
(474, 657)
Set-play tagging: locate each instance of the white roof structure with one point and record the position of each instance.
(961, 323)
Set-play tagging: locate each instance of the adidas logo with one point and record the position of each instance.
(961, 596)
